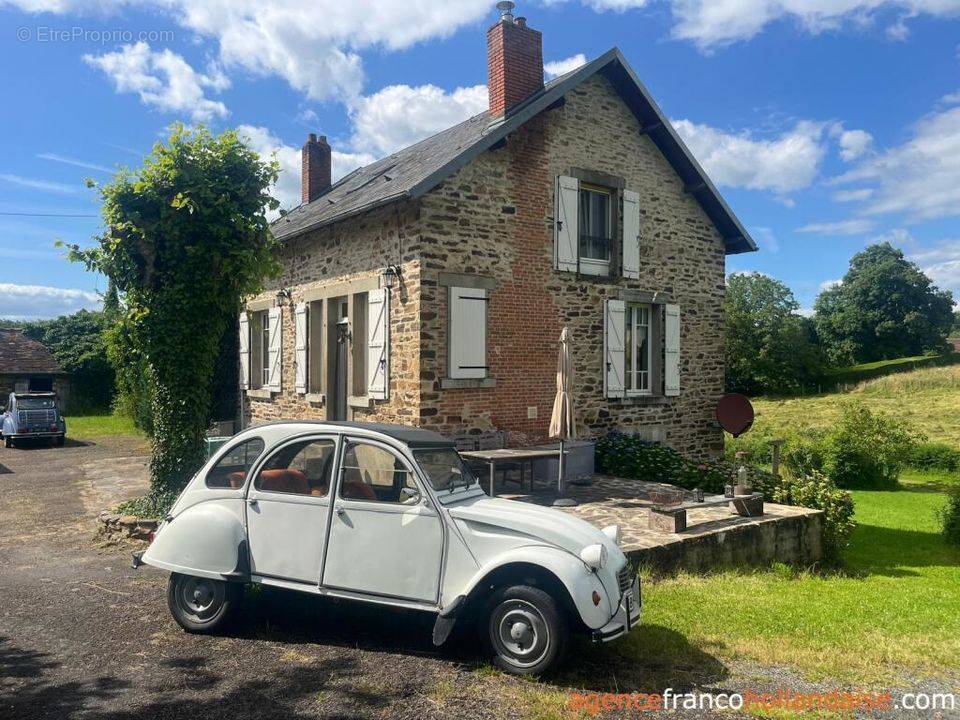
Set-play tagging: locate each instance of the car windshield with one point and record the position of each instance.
(33, 403)
(444, 468)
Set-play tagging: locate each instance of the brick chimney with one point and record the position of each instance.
(514, 61)
(315, 174)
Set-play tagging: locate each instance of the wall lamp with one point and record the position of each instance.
(389, 276)
(283, 294)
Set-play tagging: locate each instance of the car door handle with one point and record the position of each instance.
(252, 502)
(340, 510)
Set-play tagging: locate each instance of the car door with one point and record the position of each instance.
(288, 505)
(385, 536)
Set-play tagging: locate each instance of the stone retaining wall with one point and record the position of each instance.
(117, 528)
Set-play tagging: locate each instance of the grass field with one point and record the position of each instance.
(893, 612)
(86, 427)
(929, 398)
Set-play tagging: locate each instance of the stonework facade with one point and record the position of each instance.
(494, 219)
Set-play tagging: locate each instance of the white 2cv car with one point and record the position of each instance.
(390, 514)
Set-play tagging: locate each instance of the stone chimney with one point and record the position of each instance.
(315, 174)
(514, 61)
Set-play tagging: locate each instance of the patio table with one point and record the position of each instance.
(516, 456)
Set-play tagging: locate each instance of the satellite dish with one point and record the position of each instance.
(735, 413)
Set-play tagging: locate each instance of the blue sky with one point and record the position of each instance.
(825, 129)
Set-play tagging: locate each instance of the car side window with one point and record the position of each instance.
(375, 474)
(301, 468)
(231, 470)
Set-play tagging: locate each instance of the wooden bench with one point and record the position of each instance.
(673, 519)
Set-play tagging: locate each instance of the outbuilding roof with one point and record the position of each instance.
(21, 355)
(413, 171)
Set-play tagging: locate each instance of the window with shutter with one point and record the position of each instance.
(467, 333)
(300, 360)
(244, 351)
(614, 324)
(275, 352)
(671, 347)
(567, 226)
(378, 344)
(631, 234)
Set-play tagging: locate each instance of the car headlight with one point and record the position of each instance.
(612, 532)
(594, 556)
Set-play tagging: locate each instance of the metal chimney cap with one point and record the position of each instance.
(505, 7)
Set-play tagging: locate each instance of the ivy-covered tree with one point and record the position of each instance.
(884, 308)
(187, 238)
(769, 345)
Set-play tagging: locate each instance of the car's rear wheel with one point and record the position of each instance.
(59, 441)
(201, 604)
(8, 441)
(524, 630)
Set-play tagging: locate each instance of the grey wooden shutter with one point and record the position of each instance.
(378, 344)
(301, 363)
(631, 234)
(275, 357)
(244, 351)
(671, 350)
(567, 225)
(467, 335)
(614, 325)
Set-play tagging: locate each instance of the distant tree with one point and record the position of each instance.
(187, 240)
(884, 308)
(956, 323)
(77, 342)
(770, 347)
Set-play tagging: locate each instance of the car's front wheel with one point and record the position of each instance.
(201, 604)
(525, 630)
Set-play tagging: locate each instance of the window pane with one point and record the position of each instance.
(628, 349)
(444, 468)
(303, 468)
(374, 474)
(231, 470)
(594, 224)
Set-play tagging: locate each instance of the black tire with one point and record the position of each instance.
(524, 630)
(8, 441)
(201, 605)
(61, 439)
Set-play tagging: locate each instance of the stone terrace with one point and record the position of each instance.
(715, 537)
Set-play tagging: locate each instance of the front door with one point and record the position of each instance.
(288, 507)
(385, 538)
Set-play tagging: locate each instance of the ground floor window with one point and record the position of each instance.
(637, 349)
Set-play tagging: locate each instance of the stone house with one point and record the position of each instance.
(431, 287)
(28, 366)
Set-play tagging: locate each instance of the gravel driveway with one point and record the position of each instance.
(84, 635)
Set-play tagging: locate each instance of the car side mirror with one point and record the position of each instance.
(409, 495)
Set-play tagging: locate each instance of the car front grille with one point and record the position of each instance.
(625, 576)
(38, 418)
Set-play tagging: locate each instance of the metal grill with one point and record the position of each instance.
(34, 418)
(625, 577)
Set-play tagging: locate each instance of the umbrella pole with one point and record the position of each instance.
(562, 501)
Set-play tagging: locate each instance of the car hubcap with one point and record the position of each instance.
(519, 633)
(200, 598)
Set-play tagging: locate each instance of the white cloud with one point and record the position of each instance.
(854, 143)
(561, 67)
(163, 80)
(941, 263)
(898, 237)
(616, 5)
(784, 164)
(827, 284)
(920, 178)
(399, 115)
(719, 22)
(35, 184)
(857, 195)
(843, 227)
(25, 302)
(287, 189)
(805, 311)
(73, 161)
(951, 98)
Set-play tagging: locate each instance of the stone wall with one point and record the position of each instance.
(61, 386)
(354, 250)
(494, 218)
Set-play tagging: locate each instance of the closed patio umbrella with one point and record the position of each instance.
(562, 425)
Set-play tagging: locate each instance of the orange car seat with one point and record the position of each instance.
(286, 480)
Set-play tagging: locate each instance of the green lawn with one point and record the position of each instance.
(85, 427)
(894, 612)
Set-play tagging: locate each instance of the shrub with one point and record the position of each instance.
(631, 457)
(867, 450)
(934, 456)
(950, 517)
(817, 491)
(805, 453)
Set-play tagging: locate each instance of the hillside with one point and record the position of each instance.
(929, 398)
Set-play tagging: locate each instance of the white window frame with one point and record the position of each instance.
(264, 342)
(632, 370)
(592, 266)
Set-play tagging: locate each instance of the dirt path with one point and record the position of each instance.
(83, 635)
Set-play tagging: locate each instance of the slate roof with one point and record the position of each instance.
(20, 355)
(417, 169)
